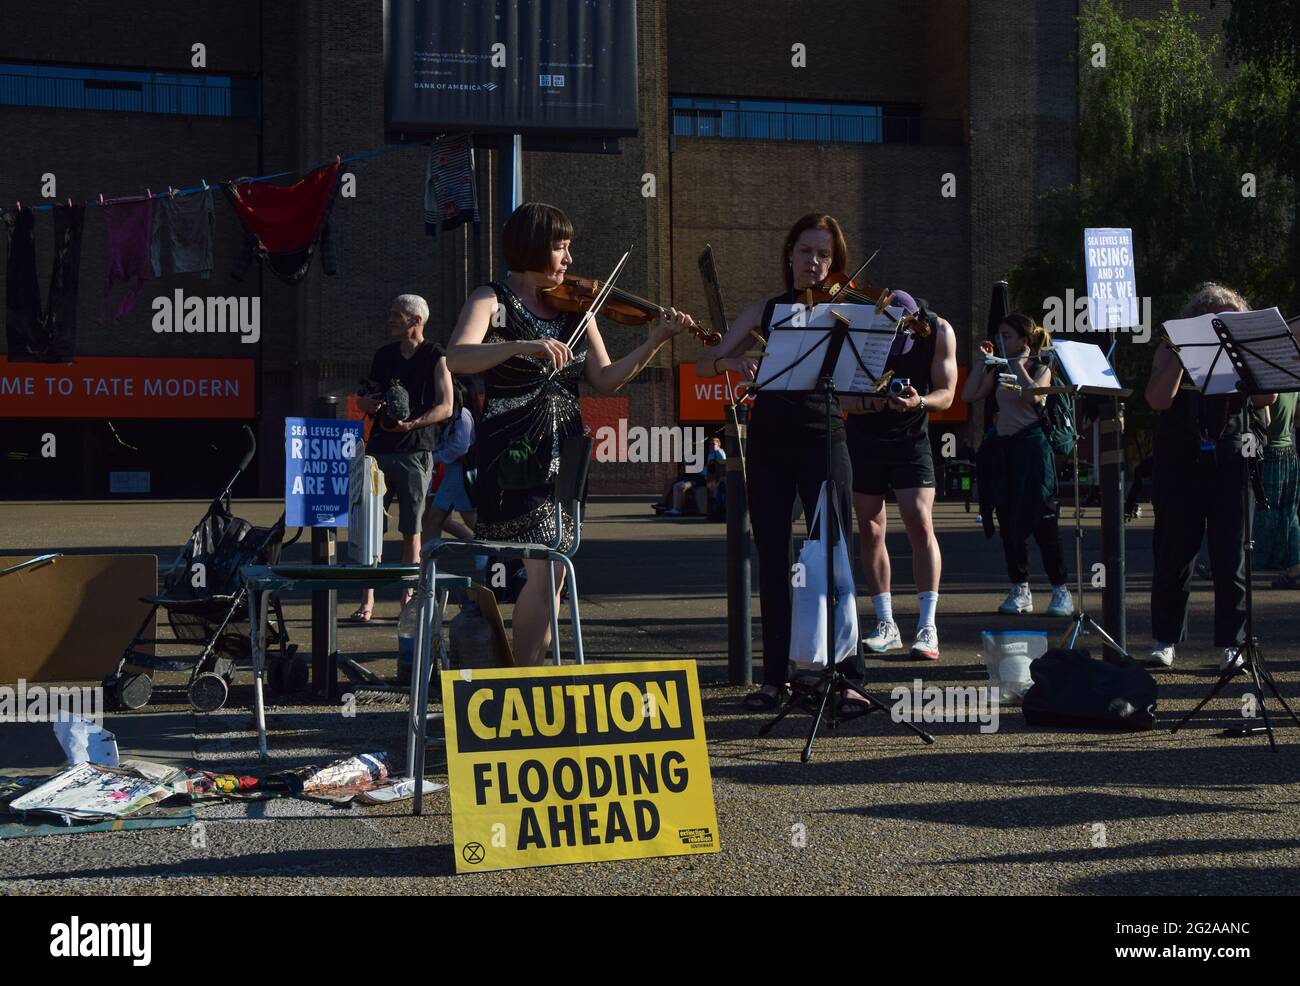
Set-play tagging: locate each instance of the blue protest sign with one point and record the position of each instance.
(1112, 286)
(316, 456)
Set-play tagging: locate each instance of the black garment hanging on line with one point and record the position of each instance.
(30, 334)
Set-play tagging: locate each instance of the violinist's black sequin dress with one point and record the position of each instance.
(522, 402)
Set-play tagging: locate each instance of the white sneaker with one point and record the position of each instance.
(1232, 658)
(926, 645)
(1162, 655)
(1062, 603)
(1019, 600)
(886, 637)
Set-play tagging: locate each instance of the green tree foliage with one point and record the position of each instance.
(1163, 144)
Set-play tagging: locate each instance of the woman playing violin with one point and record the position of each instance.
(787, 451)
(510, 332)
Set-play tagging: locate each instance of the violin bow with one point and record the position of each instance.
(605, 288)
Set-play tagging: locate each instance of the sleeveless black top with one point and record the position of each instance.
(784, 415)
(1193, 419)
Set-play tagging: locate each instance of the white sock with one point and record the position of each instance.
(929, 602)
(883, 602)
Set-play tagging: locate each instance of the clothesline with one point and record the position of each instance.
(204, 186)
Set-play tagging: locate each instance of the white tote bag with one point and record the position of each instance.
(365, 509)
(808, 618)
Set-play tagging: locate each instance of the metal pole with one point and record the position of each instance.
(324, 605)
(740, 628)
(509, 181)
(1111, 428)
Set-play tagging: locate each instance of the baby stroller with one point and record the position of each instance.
(207, 609)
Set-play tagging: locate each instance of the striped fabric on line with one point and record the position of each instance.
(450, 197)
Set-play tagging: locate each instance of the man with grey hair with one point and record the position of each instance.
(402, 439)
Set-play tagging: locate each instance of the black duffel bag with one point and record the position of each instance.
(1071, 689)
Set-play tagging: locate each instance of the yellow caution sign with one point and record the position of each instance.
(577, 764)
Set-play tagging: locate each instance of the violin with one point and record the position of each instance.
(577, 294)
(838, 289)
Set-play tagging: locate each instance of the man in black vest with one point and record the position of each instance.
(889, 444)
(403, 445)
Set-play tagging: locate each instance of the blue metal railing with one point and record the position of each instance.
(230, 98)
(825, 128)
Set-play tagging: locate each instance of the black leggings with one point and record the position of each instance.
(778, 469)
(1047, 533)
(1190, 502)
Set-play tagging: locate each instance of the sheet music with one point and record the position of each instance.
(1265, 338)
(1084, 365)
(870, 333)
(1198, 344)
(1266, 347)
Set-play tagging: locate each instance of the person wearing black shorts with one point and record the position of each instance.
(889, 445)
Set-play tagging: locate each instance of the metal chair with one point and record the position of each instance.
(570, 484)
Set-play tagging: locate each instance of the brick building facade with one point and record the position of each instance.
(988, 90)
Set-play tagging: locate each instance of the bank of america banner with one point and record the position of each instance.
(521, 66)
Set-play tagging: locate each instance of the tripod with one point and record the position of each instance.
(1081, 623)
(832, 681)
(1247, 656)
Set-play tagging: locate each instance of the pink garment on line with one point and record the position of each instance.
(130, 226)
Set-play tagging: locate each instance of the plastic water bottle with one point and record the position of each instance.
(406, 629)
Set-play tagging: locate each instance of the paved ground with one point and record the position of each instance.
(1021, 811)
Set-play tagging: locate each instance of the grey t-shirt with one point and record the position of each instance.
(1017, 410)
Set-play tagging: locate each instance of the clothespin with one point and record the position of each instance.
(101, 199)
(69, 201)
(171, 191)
(18, 206)
(338, 158)
(205, 183)
(148, 194)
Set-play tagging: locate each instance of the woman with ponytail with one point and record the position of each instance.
(1017, 469)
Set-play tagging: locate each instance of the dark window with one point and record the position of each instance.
(771, 119)
(78, 88)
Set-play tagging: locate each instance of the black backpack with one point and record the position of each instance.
(1071, 689)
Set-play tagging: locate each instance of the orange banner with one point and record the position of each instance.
(701, 399)
(128, 387)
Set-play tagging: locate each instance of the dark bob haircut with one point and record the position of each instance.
(531, 233)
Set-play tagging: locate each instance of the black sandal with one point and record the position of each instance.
(761, 701)
(852, 708)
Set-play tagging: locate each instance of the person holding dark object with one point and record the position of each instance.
(511, 333)
(889, 442)
(414, 394)
(1017, 470)
(1197, 478)
(786, 452)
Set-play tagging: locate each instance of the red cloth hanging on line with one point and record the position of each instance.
(284, 223)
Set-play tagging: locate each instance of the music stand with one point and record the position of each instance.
(1088, 372)
(846, 365)
(1252, 353)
